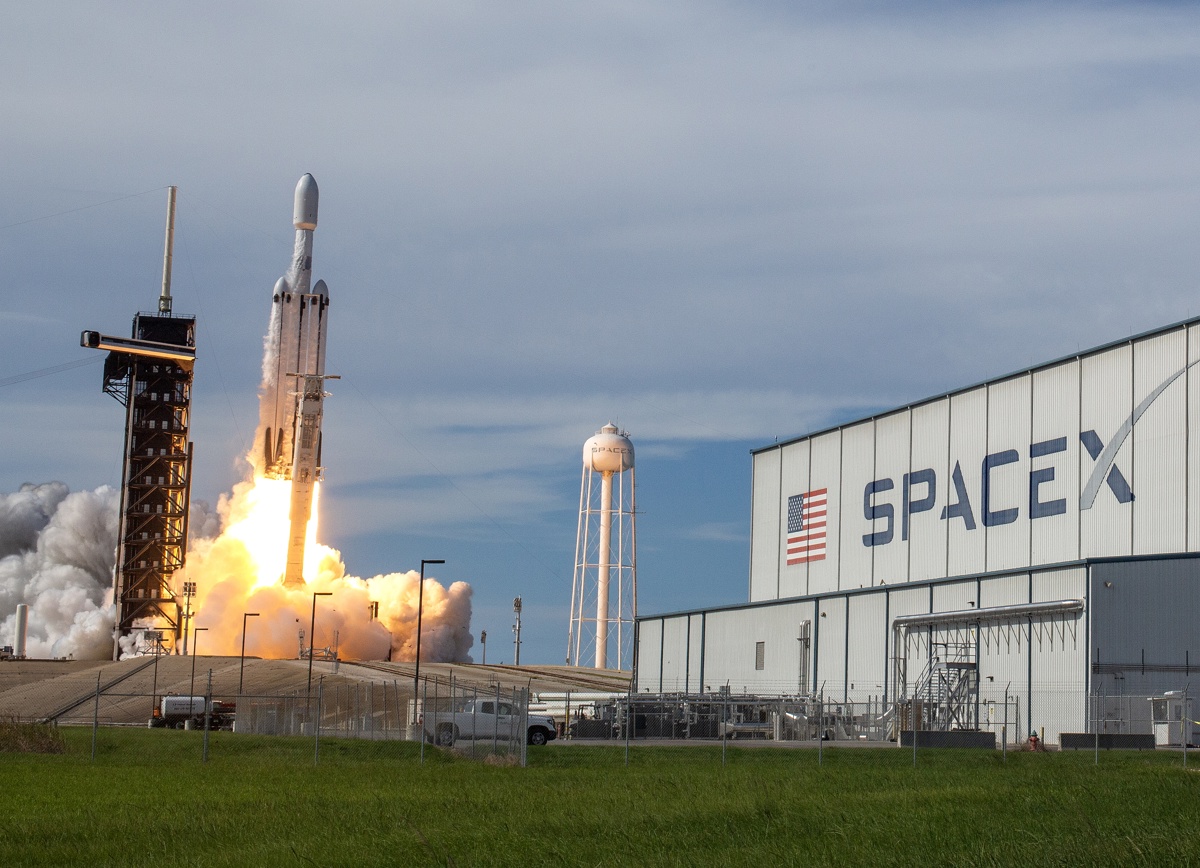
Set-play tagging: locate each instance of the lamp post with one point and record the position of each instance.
(420, 604)
(517, 632)
(157, 637)
(189, 588)
(192, 683)
(242, 663)
(483, 639)
(312, 631)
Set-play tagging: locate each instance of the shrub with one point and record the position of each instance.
(17, 737)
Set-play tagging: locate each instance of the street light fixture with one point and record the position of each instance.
(420, 604)
(242, 663)
(195, 640)
(312, 629)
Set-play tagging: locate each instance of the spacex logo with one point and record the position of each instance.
(919, 489)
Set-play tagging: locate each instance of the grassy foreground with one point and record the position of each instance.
(147, 800)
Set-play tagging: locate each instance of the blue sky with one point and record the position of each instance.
(714, 224)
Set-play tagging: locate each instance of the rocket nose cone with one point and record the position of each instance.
(305, 214)
(321, 289)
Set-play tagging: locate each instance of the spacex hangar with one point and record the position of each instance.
(1031, 540)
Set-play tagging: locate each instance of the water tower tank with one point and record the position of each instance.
(608, 451)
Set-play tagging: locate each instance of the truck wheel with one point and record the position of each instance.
(537, 736)
(445, 735)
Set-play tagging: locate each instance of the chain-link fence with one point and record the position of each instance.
(481, 721)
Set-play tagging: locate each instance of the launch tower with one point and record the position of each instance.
(605, 553)
(151, 375)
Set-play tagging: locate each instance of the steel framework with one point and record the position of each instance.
(156, 476)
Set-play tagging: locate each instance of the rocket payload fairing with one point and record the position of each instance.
(294, 380)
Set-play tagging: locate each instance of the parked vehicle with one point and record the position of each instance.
(176, 711)
(485, 718)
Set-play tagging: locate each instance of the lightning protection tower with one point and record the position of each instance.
(150, 373)
(605, 554)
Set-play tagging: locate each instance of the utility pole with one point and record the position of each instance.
(517, 632)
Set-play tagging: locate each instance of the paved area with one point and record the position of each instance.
(65, 689)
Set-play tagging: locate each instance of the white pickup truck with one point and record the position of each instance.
(485, 718)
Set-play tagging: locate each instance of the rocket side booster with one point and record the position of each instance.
(293, 381)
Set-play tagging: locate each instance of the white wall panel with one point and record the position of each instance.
(1193, 453)
(930, 452)
(695, 667)
(674, 653)
(968, 445)
(1160, 445)
(1065, 584)
(1059, 670)
(1004, 511)
(826, 462)
(955, 596)
(858, 471)
(1003, 663)
(764, 526)
(904, 601)
(649, 655)
(1054, 462)
(1004, 591)
(891, 463)
(831, 645)
(868, 643)
(730, 647)
(793, 577)
(1106, 387)
(908, 601)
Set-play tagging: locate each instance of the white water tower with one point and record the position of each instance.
(605, 554)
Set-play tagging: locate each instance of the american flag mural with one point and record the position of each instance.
(806, 527)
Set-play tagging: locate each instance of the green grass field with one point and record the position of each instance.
(148, 800)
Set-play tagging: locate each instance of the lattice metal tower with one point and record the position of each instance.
(151, 375)
(605, 554)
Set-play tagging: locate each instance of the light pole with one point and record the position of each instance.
(420, 604)
(189, 588)
(312, 631)
(242, 663)
(517, 632)
(483, 639)
(157, 636)
(192, 684)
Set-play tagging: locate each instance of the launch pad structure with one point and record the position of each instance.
(151, 375)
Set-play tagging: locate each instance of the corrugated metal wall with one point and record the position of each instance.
(1084, 458)
(1040, 661)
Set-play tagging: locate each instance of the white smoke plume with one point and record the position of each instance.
(56, 555)
(233, 578)
(57, 551)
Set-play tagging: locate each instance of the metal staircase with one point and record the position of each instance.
(946, 693)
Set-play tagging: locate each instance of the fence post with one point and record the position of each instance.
(629, 718)
(724, 725)
(1185, 724)
(96, 717)
(496, 727)
(207, 716)
(424, 711)
(821, 730)
(913, 706)
(317, 722)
